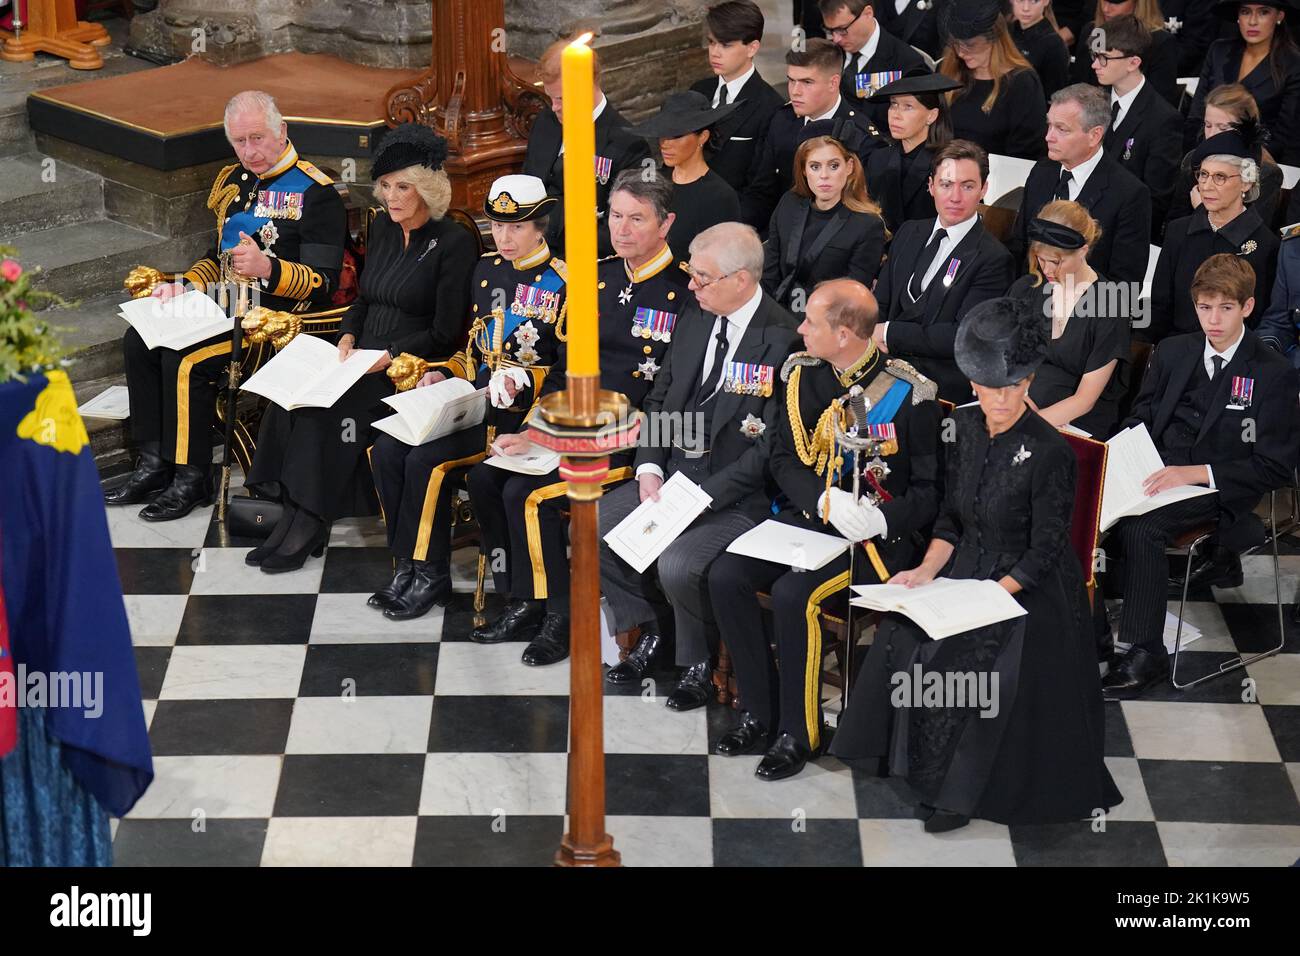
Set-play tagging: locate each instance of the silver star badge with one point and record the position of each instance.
(527, 335)
(269, 234)
(752, 426)
(625, 296)
(1021, 456)
(648, 368)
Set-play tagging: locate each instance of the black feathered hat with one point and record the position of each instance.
(1001, 341)
(410, 144)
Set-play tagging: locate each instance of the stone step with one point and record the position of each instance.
(92, 334)
(108, 437)
(37, 192)
(88, 258)
(15, 134)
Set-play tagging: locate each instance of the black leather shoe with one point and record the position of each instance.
(189, 489)
(944, 821)
(429, 586)
(518, 621)
(1134, 673)
(694, 689)
(647, 654)
(923, 811)
(785, 758)
(750, 737)
(551, 645)
(151, 476)
(387, 596)
(1220, 570)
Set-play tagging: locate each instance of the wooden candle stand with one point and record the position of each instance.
(52, 27)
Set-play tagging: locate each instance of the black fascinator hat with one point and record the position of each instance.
(1001, 341)
(410, 144)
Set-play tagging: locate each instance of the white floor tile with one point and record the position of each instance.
(637, 725)
(1229, 844)
(219, 787)
(491, 784)
(662, 841)
(360, 725)
(1177, 730)
(223, 571)
(823, 789)
(347, 619)
(234, 671)
(905, 843)
(466, 668)
(155, 619)
(340, 841)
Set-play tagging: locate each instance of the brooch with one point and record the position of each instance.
(1249, 246)
(625, 296)
(752, 427)
(648, 368)
(433, 244)
(1128, 149)
(1020, 457)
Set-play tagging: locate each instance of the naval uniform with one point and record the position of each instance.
(413, 484)
(296, 216)
(638, 313)
(901, 475)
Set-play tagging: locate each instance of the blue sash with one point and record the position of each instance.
(293, 181)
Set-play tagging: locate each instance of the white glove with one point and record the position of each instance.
(497, 393)
(845, 514)
(876, 525)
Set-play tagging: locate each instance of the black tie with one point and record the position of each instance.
(709, 386)
(724, 92)
(1063, 187)
(1114, 115)
(923, 266)
(1217, 362)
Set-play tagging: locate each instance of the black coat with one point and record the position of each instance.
(892, 54)
(1017, 121)
(922, 332)
(1046, 52)
(1147, 144)
(914, 26)
(1160, 65)
(1279, 104)
(543, 160)
(1188, 243)
(847, 245)
(734, 472)
(1119, 202)
(1244, 471)
(735, 141)
(898, 181)
(1194, 26)
(772, 173)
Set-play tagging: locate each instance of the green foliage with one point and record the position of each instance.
(28, 343)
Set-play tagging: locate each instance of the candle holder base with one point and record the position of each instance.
(602, 854)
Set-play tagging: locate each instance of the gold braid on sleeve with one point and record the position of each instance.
(817, 448)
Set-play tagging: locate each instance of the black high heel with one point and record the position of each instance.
(294, 558)
(273, 541)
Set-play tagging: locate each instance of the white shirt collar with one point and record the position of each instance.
(740, 318)
(600, 107)
(1127, 99)
(860, 58)
(955, 233)
(733, 87)
(1079, 175)
(829, 114)
(1226, 354)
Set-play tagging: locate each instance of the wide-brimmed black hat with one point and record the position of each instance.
(517, 198)
(682, 113)
(1001, 341)
(970, 19)
(914, 83)
(1244, 138)
(1055, 234)
(410, 144)
(1227, 9)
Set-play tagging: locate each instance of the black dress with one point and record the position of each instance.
(1040, 758)
(897, 180)
(1096, 333)
(1046, 52)
(413, 299)
(806, 245)
(1017, 121)
(699, 205)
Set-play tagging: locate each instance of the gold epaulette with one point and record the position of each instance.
(560, 268)
(923, 389)
(489, 255)
(1291, 231)
(684, 266)
(798, 359)
(311, 170)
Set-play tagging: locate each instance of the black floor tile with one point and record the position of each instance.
(151, 665)
(174, 843)
(883, 798)
(1118, 743)
(1285, 724)
(1254, 626)
(218, 538)
(156, 570)
(363, 785)
(657, 785)
(777, 843)
(458, 616)
(505, 724)
(1206, 791)
(189, 727)
(355, 570)
(369, 670)
(1196, 664)
(247, 619)
(488, 841)
(1082, 844)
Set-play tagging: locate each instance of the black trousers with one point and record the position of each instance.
(789, 699)
(416, 486)
(173, 395)
(1146, 569)
(523, 532)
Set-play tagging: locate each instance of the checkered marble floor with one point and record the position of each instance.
(293, 725)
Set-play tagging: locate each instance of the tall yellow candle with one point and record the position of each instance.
(580, 207)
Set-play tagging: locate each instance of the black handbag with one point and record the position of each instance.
(248, 517)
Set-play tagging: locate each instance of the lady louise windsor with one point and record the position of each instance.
(1037, 756)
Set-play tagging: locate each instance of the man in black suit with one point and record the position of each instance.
(1221, 408)
(735, 31)
(872, 58)
(916, 24)
(814, 81)
(711, 406)
(616, 148)
(938, 269)
(1145, 132)
(1078, 169)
